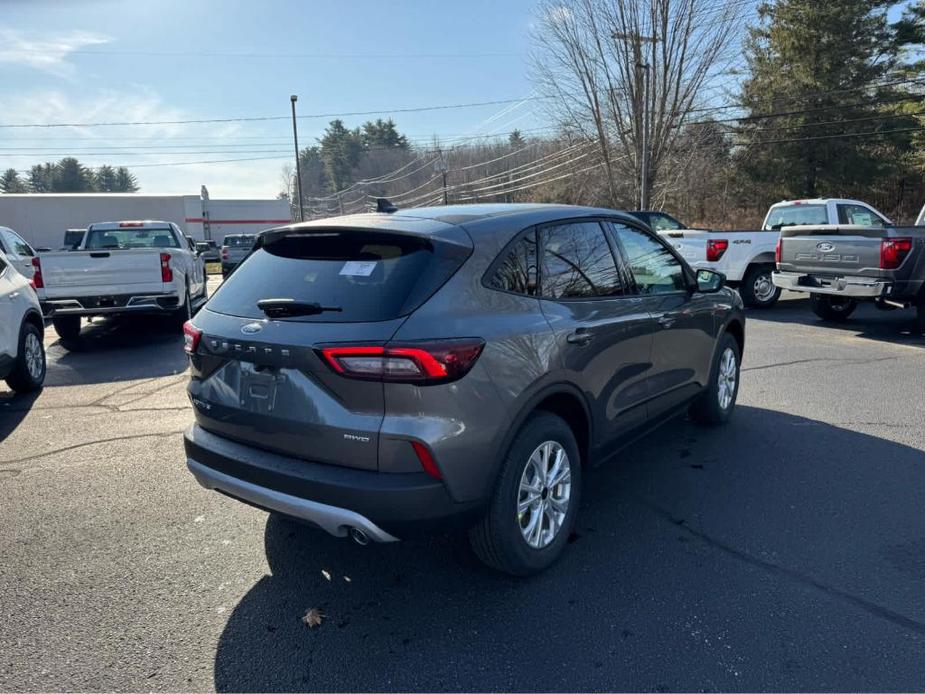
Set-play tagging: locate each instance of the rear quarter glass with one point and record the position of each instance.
(368, 275)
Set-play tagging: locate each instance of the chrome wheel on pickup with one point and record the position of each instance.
(757, 289)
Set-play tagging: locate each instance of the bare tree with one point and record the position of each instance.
(594, 58)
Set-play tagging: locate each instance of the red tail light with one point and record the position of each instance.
(427, 459)
(893, 252)
(436, 361)
(191, 337)
(716, 248)
(166, 271)
(38, 282)
(779, 249)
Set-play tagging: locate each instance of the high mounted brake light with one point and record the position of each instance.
(893, 252)
(127, 225)
(716, 248)
(433, 361)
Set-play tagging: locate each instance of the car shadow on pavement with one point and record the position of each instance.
(118, 349)
(695, 541)
(13, 410)
(867, 321)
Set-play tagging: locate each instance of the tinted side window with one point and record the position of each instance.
(654, 268)
(578, 262)
(517, 272)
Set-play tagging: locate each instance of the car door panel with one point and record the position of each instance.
(682, 342)
(604, 337)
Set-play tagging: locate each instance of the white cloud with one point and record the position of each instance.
(45, 52)
(143, 148)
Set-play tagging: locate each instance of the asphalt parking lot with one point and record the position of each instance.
(785, 551)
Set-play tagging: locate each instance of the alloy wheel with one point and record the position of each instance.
(726, 379)
(33, 356)
(543, 496)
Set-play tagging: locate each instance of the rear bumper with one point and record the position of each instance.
(101, 305)
(385, 506)
(851, 287)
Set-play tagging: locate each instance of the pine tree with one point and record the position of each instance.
(41, 178)
(125, 181)
(516, 139)
(341, 149)
(70, 176)
(10, 182)
(105, 179)
(382, 134)
(823, 63)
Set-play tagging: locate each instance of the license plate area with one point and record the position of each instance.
(257, 389)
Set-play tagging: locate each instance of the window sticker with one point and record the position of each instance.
(358, 268)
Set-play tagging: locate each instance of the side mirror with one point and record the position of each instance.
(709, 281)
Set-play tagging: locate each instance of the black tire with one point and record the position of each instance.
(185, 312)
(834, 310)
(67, 327)
(497, 538)
(708, 408)
(22, 379)
(756, 287)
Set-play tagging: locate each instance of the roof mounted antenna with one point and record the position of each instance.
(383, 205)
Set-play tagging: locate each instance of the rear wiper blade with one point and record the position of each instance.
(282, 308)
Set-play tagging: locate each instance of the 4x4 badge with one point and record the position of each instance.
(251, 328)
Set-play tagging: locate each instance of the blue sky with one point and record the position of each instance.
(146, 60)
(100, 60)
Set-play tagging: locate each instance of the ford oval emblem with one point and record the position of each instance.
(251, 328)
(825, 247)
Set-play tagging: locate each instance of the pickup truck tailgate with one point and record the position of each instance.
(831, 250)
(87, 273)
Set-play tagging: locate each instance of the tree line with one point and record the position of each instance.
(816, 98)
(69, 176)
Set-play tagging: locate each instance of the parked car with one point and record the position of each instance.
(658, 221)
(383, 375)
(840, 265)
(209, 251)
(120, 268)
(22, 353)
(235, 248)
(746, 257)
(18, 253)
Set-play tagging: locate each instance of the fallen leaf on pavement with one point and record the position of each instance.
(313, 617)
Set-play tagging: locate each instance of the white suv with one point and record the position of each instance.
(22, 354)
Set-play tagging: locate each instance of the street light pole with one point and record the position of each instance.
(298, 164)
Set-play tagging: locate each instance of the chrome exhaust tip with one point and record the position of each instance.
(359, 536)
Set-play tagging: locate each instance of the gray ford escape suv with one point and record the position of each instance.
(385, 375)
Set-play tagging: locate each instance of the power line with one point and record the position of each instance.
(247, 119)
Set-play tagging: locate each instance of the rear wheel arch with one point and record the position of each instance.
(561, 399)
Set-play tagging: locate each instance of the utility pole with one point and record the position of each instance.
(441, 166)
(298, 164)
(643, 67)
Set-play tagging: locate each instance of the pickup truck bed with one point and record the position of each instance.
(839, 265)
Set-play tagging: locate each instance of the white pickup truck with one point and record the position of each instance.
(121, 268)
(746, 257)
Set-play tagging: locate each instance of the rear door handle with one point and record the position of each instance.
(580, 337)
(667, 320)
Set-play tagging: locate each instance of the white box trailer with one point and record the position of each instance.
(42, 219)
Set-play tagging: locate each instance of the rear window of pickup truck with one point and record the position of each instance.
(122, 239)
(796, 215)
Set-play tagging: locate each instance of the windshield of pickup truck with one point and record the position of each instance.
(122, 239)
(796, 215)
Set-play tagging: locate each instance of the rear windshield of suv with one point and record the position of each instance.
(796, 215)
(369, 276)
(240, 241)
